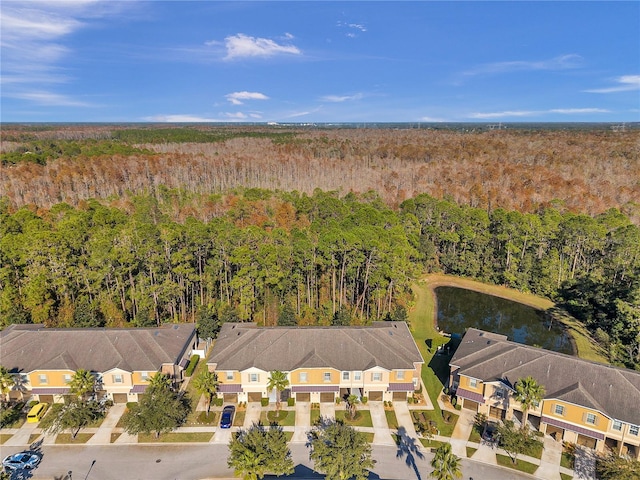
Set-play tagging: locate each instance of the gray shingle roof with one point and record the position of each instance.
(25, 348)
(384, 344)
(613, 391)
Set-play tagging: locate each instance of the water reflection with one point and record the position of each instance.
(459, 309)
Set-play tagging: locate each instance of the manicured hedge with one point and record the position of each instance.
(193, 362)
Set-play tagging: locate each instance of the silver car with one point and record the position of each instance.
(22, 460)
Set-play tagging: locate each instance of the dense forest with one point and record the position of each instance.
(585, 171)
(293, 258)
(109, 225)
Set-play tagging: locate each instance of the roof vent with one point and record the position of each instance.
(488, 342)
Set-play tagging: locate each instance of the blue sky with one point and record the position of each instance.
(196, 61)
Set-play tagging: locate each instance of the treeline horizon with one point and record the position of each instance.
(582, 171)
(292, 258)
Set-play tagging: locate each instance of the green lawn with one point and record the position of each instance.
(285, 418)
(66, 438)
(534, 451)
(202, 418)
(471, 451)
(392, 420)
(363, 418)
(430, 444)
(238, 420)
(476, 434)
(114, 437)
(315, 415)
(4, 437)
(436, 368)
(522, 466)
(566, 460)
(175, 437)
(33, 437)
(564, 476)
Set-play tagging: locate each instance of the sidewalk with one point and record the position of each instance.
(103, 434)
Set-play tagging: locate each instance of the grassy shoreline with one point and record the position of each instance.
(423, 326)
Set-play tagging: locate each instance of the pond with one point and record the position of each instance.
(459, 309)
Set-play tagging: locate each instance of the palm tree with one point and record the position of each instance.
(206, 383)
(160, 381)
(7, 381)
(446, 465)
(82, 383)
(279, 381)
(351, 405)
(529, 393)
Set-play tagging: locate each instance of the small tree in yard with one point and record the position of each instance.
(160, 410)
(339, 451)
(529, 393)
(82, 383)
(278, 381)
(613, 467)
(351, 406)
(206, 383)
(72, 416)
(513, 440)
(257, 451)
(6, 382)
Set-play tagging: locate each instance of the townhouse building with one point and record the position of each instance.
(381, 361)
(586, 403)
(44, 360)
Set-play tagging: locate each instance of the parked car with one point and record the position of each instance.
(226, 420)
(22, 460)
(37, 412)
(490, 432)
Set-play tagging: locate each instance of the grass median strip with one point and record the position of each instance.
(176, 437)
(63, 438)
(522, 466)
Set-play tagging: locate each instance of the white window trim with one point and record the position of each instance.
(636, 428)
(357, 376)
(346, 376)
(617, 423)
(400, 374)
(555, 410)
(325, 375)
(303, 377)
(376, 376)
(473, 383)
(229, 375)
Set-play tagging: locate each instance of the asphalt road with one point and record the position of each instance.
(197, 462)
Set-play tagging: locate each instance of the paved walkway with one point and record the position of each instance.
(381, 431)
(103, 434)
(549, 465)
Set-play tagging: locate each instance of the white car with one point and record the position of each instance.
(22, 460)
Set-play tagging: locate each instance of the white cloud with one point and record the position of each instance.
(626, 83)
(235, 115)
(49, 99)
(238, 98)
(341, 98)
(241, 45)
(33, 45)
(354, 28)
(431, 119)
(561, 62)
(535, 113)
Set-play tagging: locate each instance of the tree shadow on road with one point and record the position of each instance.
(409, 449)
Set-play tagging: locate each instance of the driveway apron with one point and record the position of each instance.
(303, 422)
(382, 434)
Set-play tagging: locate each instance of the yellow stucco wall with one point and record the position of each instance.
(315, 376)
(465, 383)
(55, 378)
(575, 414)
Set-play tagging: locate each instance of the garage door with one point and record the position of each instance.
(497, 413)
(470, 405)
(255, 396)
(585, 441)
(327, 397)
(119, 398)
(399, 396)
(230, 397)
(303, 397)
(46, 399)
(376, 396)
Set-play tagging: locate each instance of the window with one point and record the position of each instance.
(67, 378)
(376, 377)
(345, 375)
(633, 430)
(473, 383)
(400, 374)
(591, 418)
(117, 378)
(145, 376)
(499, 393)
(558, 410)
(229, 375)
(42, 378)
(617, 425)
(327, 376)
(357, 376)
(254, 377)
(302, 377)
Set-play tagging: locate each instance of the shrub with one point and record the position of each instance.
(338, 400)
(409, 399)
(264, 401)
(193, 362)
(458, 406)
(291, 401)
(130, 405)
(364, 399)
(217, 402)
